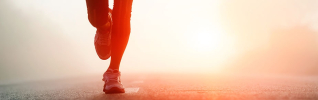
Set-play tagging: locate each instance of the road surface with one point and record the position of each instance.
(169, 87)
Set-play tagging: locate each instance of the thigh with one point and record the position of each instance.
(122, 12)
(97, 12)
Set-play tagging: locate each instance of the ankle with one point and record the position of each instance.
(112, 70)
(113, 66)
(105, 27)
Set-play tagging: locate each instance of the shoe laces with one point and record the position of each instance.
(103, 38)
(111, 75)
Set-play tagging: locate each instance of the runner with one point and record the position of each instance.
(111, 38)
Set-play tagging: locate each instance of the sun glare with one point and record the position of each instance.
(205, 41)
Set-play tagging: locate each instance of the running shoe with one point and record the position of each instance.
(112, 82)
(102, 40)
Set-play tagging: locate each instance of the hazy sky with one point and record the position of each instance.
(48, 38)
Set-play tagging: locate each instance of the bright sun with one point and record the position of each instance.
(206, 41)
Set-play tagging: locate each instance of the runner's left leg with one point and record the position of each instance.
(120, 31)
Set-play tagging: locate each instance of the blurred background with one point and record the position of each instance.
(43, 39)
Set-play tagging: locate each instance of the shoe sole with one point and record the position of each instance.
(114, 90)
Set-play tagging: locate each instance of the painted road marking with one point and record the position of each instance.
(131, 90)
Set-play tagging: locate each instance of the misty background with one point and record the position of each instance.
(42, 39)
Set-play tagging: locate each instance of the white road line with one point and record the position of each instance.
(131, 90)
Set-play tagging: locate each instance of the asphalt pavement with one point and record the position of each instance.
(169, 87)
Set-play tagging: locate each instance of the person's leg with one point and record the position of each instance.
(120, 31)
(97, 12)
(99, 16)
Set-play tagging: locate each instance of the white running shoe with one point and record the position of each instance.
(112, 82)
(102, 40)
